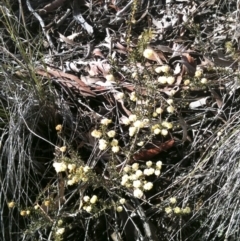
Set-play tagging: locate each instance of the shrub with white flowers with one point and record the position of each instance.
(138, 124)
(138, 193)
(106, 121)
(132, 130)
(170, 101)
(148, 186)
(60, 166)
(163, 69)
(137, 183)
(122, 201)
(158, 165)
(93, 199)
(162, 79)
(102, 144)
(111, 133)
(96, 133)
(149, 163)
(132, 118)
(115, 149)
(170, 80)
(133, 96)
(148, 171)
(135, 166)
(159, 110)
(168, 210)
(170, 109)
(119, 209)
(204, 81)
(127, 168)
(86, 198)
(135, 178)
(173, 200)
(125, 121)
(60, 231)
(198, 73)
(164, 132)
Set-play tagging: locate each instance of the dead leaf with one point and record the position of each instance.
(89, 81)
(217, 98)
(98, 52)
(178, 80)
(73, 36)
(189, 63)
(152, 152)
(99, 67)
(69, 80)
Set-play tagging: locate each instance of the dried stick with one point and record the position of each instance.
(36, 15)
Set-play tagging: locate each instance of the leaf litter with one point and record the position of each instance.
(92, 43)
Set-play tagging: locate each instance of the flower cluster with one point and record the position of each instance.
(89, 203)
(198, 75)
(108, 137)
(11, 204)
(106, 121)
(133, 96)
(58, 128)
(135, 124)
(77, 174)
(176, 210)
(25, 212)
(162, 69)
(135, 178)
(60, 231)
(119, 206)
(161, 128)
(159, 110)
(60, 166)
(96, 133)
(166, 80)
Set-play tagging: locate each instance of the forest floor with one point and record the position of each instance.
(119, 120)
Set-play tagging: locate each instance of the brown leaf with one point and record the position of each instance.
(99, 67)
(59, 73)
(217, 97)
(152, 152)
(69, 80)
(189, 63)
(90, 81)
(98, 52)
